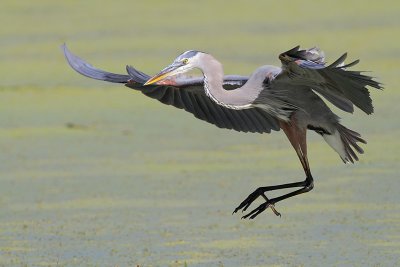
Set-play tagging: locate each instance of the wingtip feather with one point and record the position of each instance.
(86, 69)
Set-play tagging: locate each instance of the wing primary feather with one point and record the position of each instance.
(177, 99)
(188, 106)
(338, 61)
(248, 121)
(292, 51)
(337, 85)
(156, 92)
(336, 99)
(86, 69)
(220, 122)
(225, 117)
(199, 112)
(242, 119)
(206, 109)
(355, 62)
(239, 120)
(168, 97)
(262, 118)
(253, 121)
(137, 75)
(259, 122)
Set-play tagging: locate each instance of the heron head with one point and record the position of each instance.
(183, 63)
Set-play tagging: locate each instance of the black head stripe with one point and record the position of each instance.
(187, 54)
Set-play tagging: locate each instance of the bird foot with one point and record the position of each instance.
(254, 213)
(250, 199)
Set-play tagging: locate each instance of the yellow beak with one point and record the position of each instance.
(156, 78)
(162, 75)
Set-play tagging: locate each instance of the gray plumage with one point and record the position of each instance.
(187, 94)
(272, 98)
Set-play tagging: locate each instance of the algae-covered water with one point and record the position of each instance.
(95, 174)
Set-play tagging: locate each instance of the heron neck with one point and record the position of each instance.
(213, 81)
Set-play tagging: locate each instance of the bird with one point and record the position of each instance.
(291, 98)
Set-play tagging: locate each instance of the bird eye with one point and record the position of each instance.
(185, 61)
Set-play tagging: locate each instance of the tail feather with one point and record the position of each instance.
(344, 142)
(350, 139)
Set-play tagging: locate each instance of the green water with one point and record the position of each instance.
(95, 174)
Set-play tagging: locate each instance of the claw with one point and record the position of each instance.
(254, 213)
(249, 200)
(272, 206)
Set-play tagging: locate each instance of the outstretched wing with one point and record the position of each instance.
(335, 83)
(185, 93)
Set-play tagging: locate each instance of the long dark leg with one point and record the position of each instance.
(297, 138)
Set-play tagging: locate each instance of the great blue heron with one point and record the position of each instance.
(272, 98)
